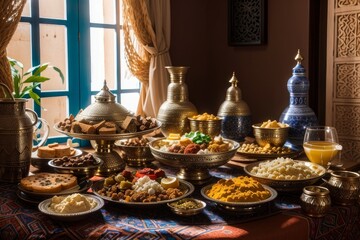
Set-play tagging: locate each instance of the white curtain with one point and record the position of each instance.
(150, 23)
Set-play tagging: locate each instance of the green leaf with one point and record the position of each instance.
(40, 69)
(33, 79)
(60, 73)
(17, 86)
(14, 62)
(35, 97)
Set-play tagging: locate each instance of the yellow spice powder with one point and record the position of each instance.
(239, 189)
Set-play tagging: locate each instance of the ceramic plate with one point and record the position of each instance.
(44, 208)
(83, 186)
(185, 186)
(77, 153)
(295, 151)
(240, 206)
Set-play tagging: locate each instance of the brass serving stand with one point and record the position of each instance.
(104, 148)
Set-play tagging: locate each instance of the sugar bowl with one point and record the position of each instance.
(315, 201)
(344, 187)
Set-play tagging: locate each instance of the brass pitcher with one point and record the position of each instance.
(174, 112)
(16, 137)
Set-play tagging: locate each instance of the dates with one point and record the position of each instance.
(82, 161)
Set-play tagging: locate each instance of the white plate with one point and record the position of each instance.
(44, 208)
(77, 153)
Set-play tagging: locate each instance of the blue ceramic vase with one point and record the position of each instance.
(235, 114)
(298, 114)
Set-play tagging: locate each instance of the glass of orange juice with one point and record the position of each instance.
(321, 145)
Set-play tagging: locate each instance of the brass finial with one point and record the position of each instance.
(298, 57)
(233, 80)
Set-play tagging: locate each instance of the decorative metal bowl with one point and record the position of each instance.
(85, 172)
(193, 167)
(208, 127)
(187, 211)
(273, 136)
(286, 185)
(136, 155)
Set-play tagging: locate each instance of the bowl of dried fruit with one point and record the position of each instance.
(136, 151)
(83, 167)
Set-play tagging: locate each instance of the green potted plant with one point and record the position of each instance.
(26, 84)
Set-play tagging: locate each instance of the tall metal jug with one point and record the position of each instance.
(16, 137)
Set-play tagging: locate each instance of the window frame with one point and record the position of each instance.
(78, 57)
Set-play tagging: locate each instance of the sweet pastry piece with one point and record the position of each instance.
(46, 152)
(48, 182)
(79, 127)
(54, 150)
(107, 130)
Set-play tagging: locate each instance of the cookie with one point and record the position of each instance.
(48, 182)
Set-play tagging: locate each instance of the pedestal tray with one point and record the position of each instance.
(104, 147)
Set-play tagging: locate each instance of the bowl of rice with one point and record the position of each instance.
(285, 174)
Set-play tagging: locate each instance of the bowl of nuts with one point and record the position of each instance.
(136, 151)
(84, 167)
(271, 133)
(208, 124)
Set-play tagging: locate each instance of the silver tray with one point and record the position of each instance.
(286, 185)
(108, 137)
(184, 185)
(244, 207)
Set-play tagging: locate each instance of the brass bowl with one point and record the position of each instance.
(344, 187)
(273, 136)
(189, 211)
(136, 155)
(208, 127)
(286, 185)
(193, 167)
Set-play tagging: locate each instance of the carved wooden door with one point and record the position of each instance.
(343, 75)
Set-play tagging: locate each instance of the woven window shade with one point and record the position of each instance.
(10, 14)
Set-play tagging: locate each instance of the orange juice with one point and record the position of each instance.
(320, 152)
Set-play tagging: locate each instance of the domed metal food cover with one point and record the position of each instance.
(104, 108)
(235, 114)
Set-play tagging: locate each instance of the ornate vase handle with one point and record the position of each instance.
(4, 86)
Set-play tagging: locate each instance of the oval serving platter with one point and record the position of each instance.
(184, 185)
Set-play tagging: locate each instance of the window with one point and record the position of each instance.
(83, 39)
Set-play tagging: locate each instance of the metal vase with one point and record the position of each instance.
(16, 134)
(174, 112)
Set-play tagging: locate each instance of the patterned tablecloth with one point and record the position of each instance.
(282, 219)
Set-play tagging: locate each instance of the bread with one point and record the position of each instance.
(48, 182)
(54, 150)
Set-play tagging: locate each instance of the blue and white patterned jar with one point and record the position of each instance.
(235, 113)
(298, 114)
